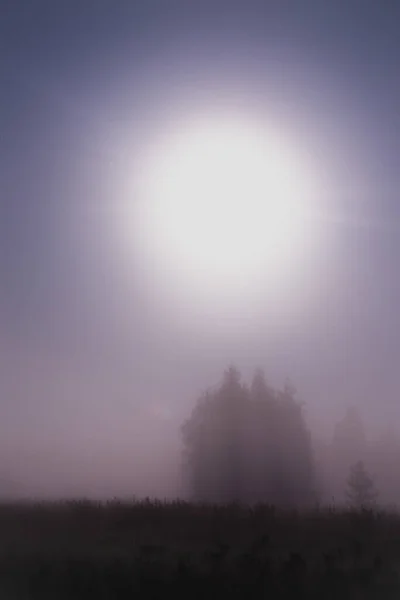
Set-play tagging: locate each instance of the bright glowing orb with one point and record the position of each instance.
(223, 199)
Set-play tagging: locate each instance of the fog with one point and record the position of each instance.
(105, 348)
(69, 443)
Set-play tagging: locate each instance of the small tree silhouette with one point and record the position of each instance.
(360, 492)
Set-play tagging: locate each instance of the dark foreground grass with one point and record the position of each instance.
(120, 550)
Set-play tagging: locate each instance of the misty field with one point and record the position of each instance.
(146, 549)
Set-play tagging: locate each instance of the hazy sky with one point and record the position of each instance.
(88, 342)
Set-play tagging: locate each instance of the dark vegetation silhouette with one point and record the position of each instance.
(349, 445)
(153, 549)
(360, 492)
(257, 524)
(249, 444)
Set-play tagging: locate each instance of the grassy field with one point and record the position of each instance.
(120, 550)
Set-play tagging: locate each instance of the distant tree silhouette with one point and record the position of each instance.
(384, 453)
(295, 449)
(348, 441)
(262, 449)
(212, 441)
(360, 489)
(248, 444)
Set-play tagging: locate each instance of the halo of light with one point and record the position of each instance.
(221, 200)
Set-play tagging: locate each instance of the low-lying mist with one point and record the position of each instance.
(138, 452)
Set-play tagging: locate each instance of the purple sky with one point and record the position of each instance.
(87, 344)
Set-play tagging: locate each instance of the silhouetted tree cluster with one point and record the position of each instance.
(347, 445)
(248, 444)
(342, 463)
